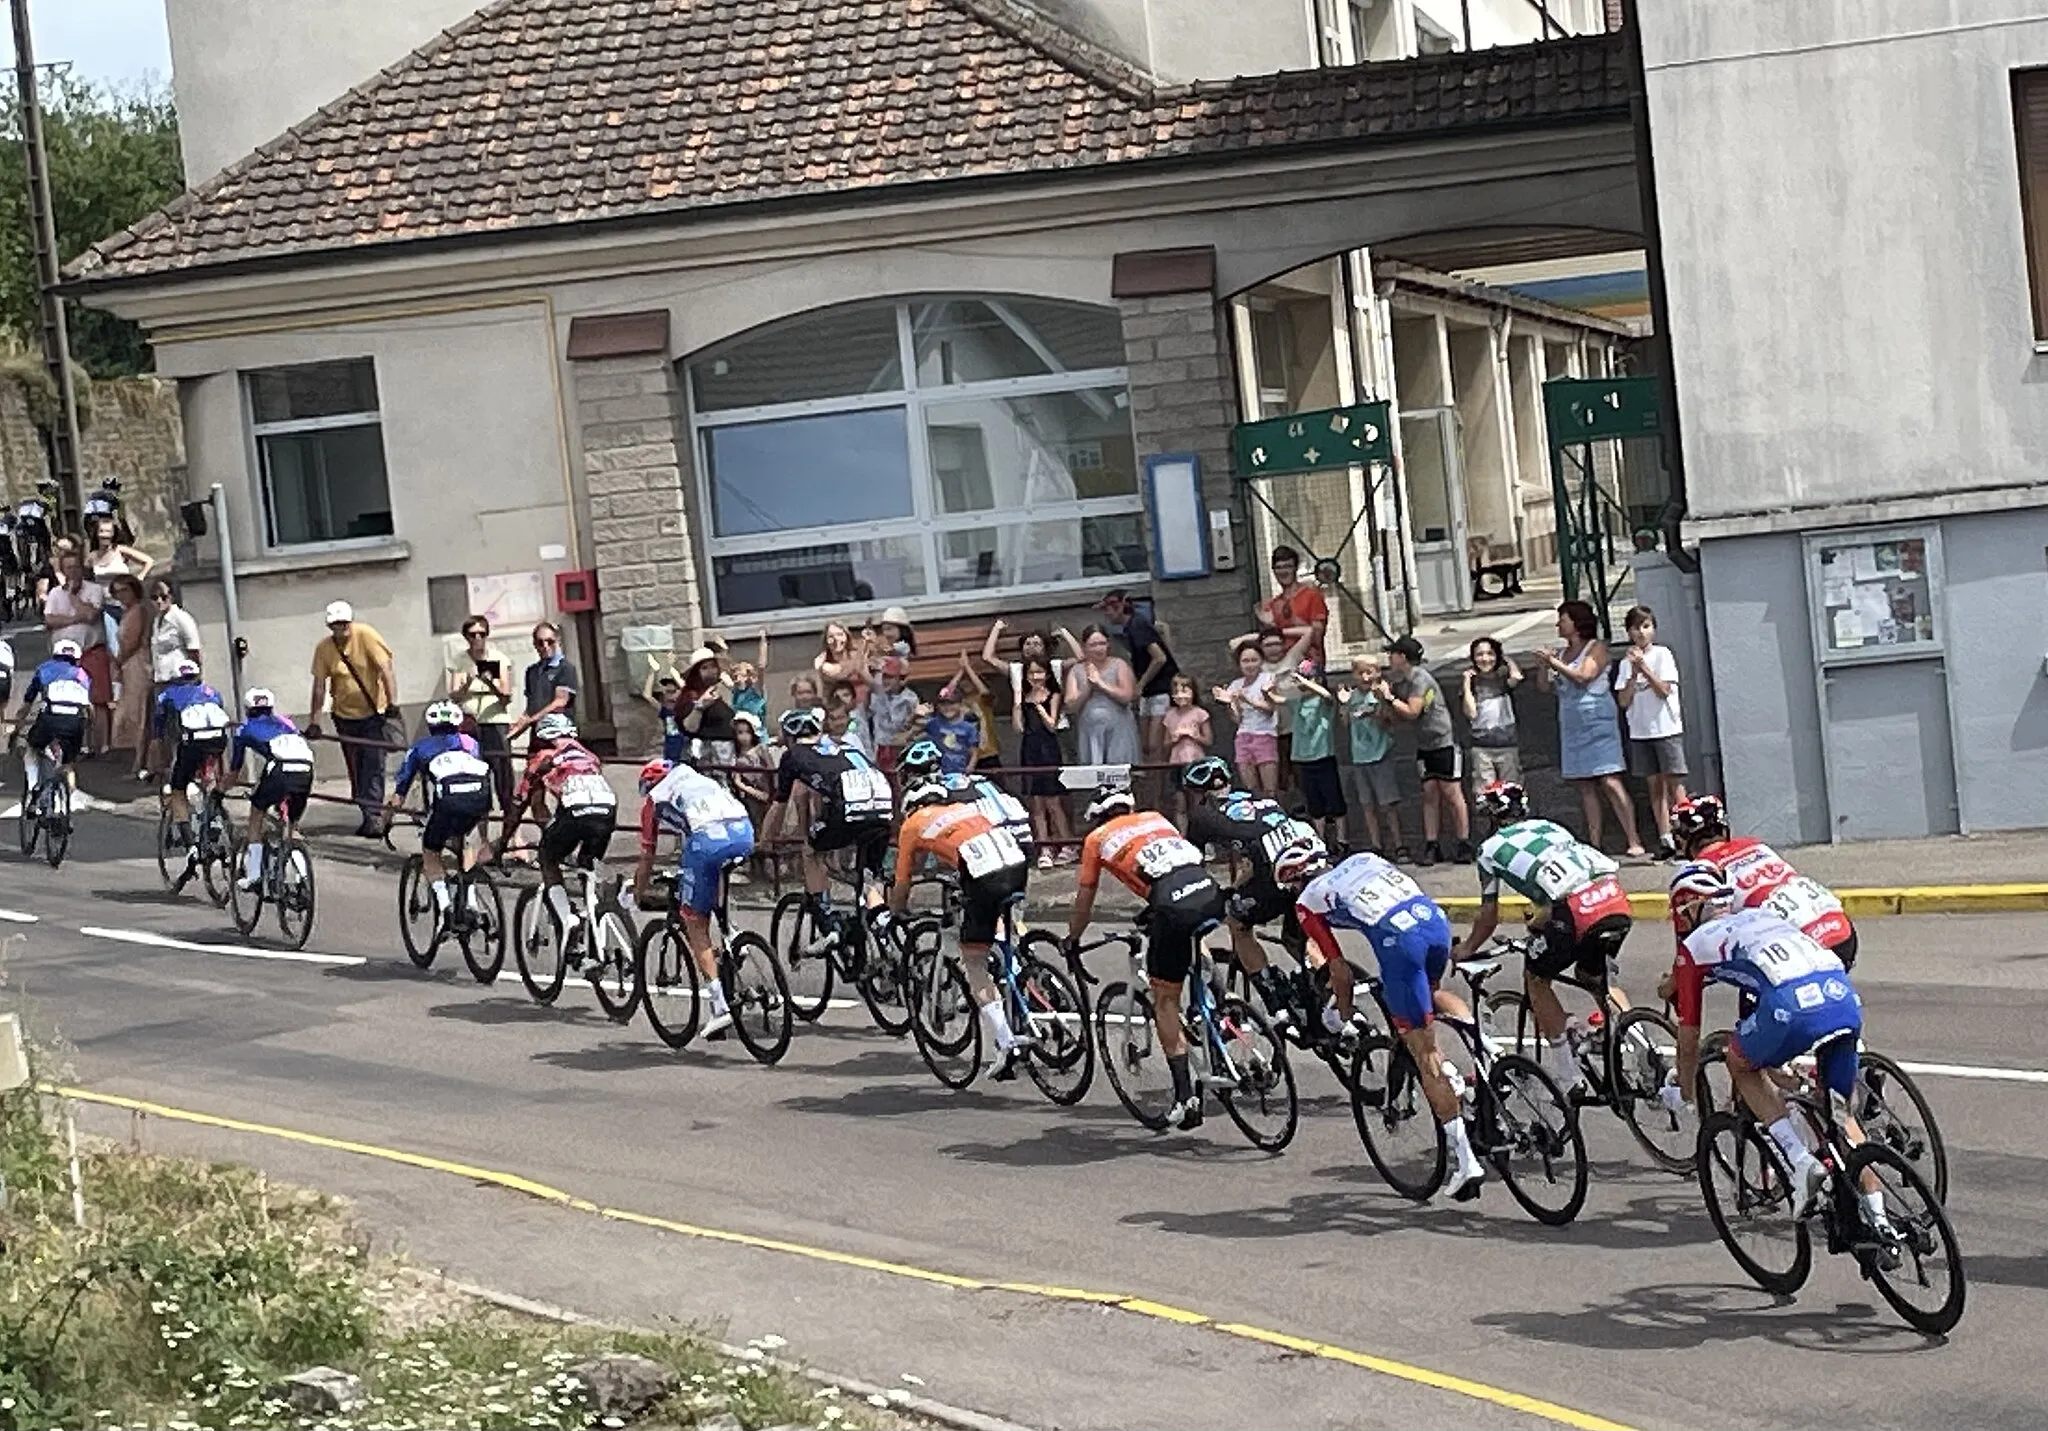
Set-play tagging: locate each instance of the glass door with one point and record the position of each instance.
(1435, 482)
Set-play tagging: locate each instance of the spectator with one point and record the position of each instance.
(1250, 698)
(550, 681)
(1490, 707)
(480, 682)
(839, 723)
(891, 711)
(841, 665)
(748, 695)
(173, 637)
(956, 733)
(1646, 686)
(1100, 689)
(1298, 608)
(704, 712)
(1154, 666)
(352, 671)
(73, 611)
(106, 558)
(753, 776)
(1030, 645)
(660, 689)
(133, 694)
(974, 693)
(1188, 737)
(1415, 696)
(1588, 725)
(1315, 753)
(1280, 660)
(893, 635)
(1372, 784)
(804, 692)
(1036, 714)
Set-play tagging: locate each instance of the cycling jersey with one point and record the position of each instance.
(1764, 880)
(62, 686)
(454, 769)
(687, 802)
(1140, 849)
(1001, 807)
(1803, 994)
(1406, 929)
(1539, 860)
(1254, 827)
(960, 835)
(277, 740)
(192, 711)
(852, 790)
(573, 775)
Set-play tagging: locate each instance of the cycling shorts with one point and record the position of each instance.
(868, 839)
(576, 839)
(285, 791)
(1181, 904)
(1584, 933)
(66, 732)
(451, 820)
(982, 901)
(192, 757)
(1792, 1019)
(1257, 900)
(1412, 960)
(705, 855)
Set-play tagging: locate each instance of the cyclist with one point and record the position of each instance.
(922, 761)
(1257, 830)
(714, 831)
(1582, 915)
(287, 780)
(585, 813)
(1153, 861)
(1412, 941)
(846, 804)
(53, 711)
(992, 868)
(1762, 877)
(458, 785)
(1803, 999)
(191, 713)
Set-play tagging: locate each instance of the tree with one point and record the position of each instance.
(113, 160)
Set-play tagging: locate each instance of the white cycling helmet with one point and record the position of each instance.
(67, 649)
(187, 669)
(1299, 863)
(259, 698)
(1110, 800)
(1699, 892)
(443, 715)
(923, 792)
(551, 728)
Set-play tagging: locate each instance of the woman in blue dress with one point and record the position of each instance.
(1588, 722)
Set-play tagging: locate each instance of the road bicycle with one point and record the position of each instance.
(598, 939)
(818, 952)
(1233, 1050)
(474, 919)
(1041, 1003)
(1626, 1056)
(1910, 1254)
(1519, 1120)
(284, 880)
(45, 816)
(672, 987)
(211, 849)
(1306, 994)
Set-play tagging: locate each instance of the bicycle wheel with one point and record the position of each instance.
(1062, 1059)
(1713, 1091)
(1262, 1102)
(1131, 1056)
(537, 947)
(614, 968)
(245, 906)
(1894, 1112)
(57, 823)
(295, 896)
(1395, 1122)
(418, 923)
(216, 853)
(28, 821)
(806, 955)
(1509, 1026)
(1749, 1197)
(481, 926)
(882, 986)
(1645, 1052)
(170, 861)
(668, 983)
(1918, 1268)
(757, 991)
(1540, 1148)
(944, 1019)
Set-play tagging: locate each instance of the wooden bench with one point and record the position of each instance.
(1496, 571)
(939, 647)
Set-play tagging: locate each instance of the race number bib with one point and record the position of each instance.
(990, 852)
(1285, 836)
(587, 795)
(290, 753)
(1787, 961)
(66, 696)
(1376, 901)
(864, 793)
(1160, 858)
(713, 808)
(1800, 902)
(203, 722)
(1002, 808)
(457, 774)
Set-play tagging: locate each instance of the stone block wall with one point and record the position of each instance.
(135, 433)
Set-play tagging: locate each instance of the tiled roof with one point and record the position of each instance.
(535, 114)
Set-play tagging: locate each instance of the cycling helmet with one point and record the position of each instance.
(1504, 800)
(1699, 821)
(187, 669)
(1211, 772)
(653, 773)
(923, 792)
(1109, 801)
(1299, 863)
(259, 699)
(802, 722)
(443, 715)
(67, 649)
(1699, 892)
(551, 728)
(921, 758)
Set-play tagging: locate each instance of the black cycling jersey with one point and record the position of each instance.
(847, 783)
(1253, 827)
(809, 766)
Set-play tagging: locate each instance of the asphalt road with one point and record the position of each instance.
(1634, 1314)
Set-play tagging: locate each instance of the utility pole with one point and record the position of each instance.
(43, 223)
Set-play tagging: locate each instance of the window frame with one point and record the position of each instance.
(259, 468)
(2030, 91)
(925, 522)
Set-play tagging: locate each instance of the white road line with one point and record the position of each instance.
(164, 941)
(1965, 1070)
(15, 916)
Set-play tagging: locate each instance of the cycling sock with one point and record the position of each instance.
(1873, 1208)
(1565, 1064)
(558, 901)
(719, 1007)
(32, 767)
(1460, 1145)
(252, 862)
(997, 1024)
(1272, 989)
(441, 895)
(1789, 1142)
(1183, 1082)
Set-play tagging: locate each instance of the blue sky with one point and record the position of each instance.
(108, 41)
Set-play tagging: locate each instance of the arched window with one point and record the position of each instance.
(916, 452)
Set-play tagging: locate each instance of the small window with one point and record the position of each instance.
(320, 450)
(2030, 125)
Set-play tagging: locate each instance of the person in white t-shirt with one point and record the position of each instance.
(1646, 686)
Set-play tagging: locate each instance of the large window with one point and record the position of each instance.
(904, 452)
(2030, 125)
(320, 452)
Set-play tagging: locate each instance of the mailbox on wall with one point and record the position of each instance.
(576, 591)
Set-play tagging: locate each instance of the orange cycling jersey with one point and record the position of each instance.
(937, 830)
(1120, 845)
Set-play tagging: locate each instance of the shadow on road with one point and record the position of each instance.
(159, 897)
(619, 1057)
(899, 1100)
(1066, 1145)
(493, 1012)
(1678, 1318)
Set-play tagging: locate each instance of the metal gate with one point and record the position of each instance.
(1580, 413)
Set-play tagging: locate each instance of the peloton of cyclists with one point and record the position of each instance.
(714, 832)
(458, 788)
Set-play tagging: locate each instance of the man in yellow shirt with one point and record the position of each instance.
(352, 672)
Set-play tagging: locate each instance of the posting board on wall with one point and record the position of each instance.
(1875, 595)
(509, 599)
(1179, 516)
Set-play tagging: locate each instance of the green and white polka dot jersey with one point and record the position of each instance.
(1540, 860)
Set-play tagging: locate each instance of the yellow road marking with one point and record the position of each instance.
(1137, 1306)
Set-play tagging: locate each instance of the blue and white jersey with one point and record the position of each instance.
(62, 684)
(1767, 956)
(687, 803)
(1368, 894)
(993, 801)
(192, 711)
(277, 740)
(453, 766)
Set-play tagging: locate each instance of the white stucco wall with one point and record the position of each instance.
(1843, 247)
(244, 71)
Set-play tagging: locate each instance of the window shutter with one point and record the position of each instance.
(2030, 124)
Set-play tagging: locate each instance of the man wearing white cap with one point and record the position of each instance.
(352, 672)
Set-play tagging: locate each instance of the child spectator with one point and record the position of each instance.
(974, 695)
(753, 776)
(1188, 737)
(662, 686)
(1315, 752)
(1415, 696)
(1490, 707)
(1036, 714)
(956, 733)
(1372, 785)
(891, 712)
(1257, 743)
(839, 728)
(1646, 686)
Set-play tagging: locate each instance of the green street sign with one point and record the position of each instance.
(1596, 409)
(1313, 441)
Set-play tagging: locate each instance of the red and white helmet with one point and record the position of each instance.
(1299, 863)
(1699, 892)
(653, 773)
